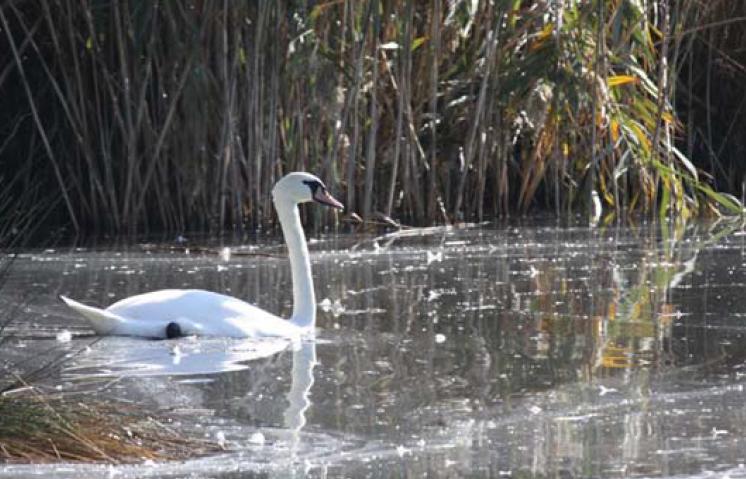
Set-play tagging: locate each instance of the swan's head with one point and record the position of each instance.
(300, 187)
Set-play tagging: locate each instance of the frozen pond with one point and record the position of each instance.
(509, 352)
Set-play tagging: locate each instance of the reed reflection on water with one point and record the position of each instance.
(531, 350)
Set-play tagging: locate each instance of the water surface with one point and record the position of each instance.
(524, 351)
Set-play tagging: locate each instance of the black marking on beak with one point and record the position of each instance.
(321, 195)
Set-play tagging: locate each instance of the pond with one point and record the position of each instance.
(488, 352)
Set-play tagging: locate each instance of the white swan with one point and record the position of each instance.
(178, 312)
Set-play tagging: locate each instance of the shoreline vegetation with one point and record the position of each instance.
(39, 424)
(43, 427)
(141, 117)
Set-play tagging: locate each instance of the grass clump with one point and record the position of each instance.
(40, 428)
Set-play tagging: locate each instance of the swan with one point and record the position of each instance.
(171, 313)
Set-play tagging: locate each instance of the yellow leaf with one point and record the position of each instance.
(667, 117)
(315, 12)
(617, 80)
(565, 149)
(642, 138)
(605, 191)
(89, 43)
(416, 43)
(545, 32)
(542, 36)
(655, 31)
(614, 130)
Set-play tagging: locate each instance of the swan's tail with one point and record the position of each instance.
(103, 322)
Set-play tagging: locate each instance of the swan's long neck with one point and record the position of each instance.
(304, 299)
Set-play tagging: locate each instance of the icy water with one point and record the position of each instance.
(479, 352)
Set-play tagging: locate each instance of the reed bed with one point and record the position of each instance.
(137, 116)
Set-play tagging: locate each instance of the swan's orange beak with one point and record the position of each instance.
(322, 196)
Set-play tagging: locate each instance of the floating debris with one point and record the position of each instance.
(220, 439)
(434, 257)
(335, 308)
(432, 295)
(257, 438)
(64, 336)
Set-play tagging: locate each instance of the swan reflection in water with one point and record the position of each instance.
(206, 358)
(304, 361)
(127, 357)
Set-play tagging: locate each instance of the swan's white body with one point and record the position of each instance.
(204, 313)
(197, 312)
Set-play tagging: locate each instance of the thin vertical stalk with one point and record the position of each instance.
(350, 167)
(435, 61)
(591, 186)
(274, 102)
(330, 160)
(662, 85)
(225, 149)
(404, 57)
(126, 105)
(370, 163)
(257, 136)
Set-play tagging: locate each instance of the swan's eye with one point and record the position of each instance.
(314, 185)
